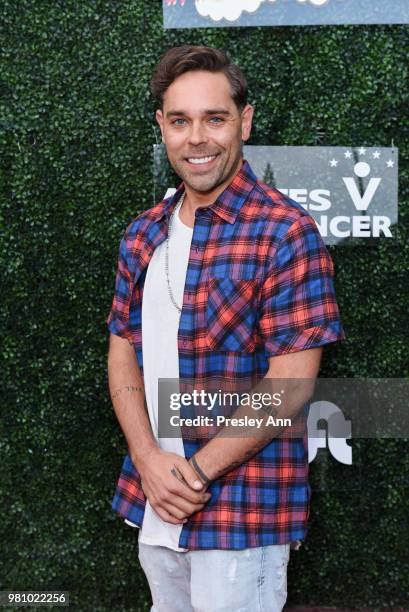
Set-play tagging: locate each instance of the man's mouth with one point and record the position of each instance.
(200, 161)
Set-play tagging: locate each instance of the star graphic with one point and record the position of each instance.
(362, 151)
(390, 163)
(348, 154)
(333, 163)
(376, 154)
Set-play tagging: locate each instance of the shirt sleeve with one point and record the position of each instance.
(298, 308)
(118, 320)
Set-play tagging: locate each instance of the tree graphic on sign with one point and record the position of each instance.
(268, 176)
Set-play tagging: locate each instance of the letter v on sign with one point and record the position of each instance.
(361, 202)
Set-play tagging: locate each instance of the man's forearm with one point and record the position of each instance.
(128, 399)
(227, 450)
(224, 453)
(221, 455)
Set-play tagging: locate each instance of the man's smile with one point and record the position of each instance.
(202, 161)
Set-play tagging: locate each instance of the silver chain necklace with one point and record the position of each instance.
(180, 203)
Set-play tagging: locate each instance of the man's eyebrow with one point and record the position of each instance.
(210, 111)
(217, 111)
(173, 113)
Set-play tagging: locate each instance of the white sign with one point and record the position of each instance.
(225, 13)
(352, 193)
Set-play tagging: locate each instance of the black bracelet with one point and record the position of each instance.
(202, 475)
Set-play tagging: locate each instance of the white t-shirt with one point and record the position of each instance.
(160, 325)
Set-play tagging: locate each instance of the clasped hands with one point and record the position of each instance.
(172, 486)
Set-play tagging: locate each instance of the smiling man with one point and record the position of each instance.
(203, 131)
(227, 279)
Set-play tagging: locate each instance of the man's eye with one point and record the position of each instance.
(178, 122)
(216, 120)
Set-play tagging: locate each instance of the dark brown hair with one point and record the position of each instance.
(178, 60)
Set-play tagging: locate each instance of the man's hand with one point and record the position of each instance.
(171, 486)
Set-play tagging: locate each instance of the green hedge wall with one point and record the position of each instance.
(76, 138)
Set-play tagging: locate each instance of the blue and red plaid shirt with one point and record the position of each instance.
(259, 283)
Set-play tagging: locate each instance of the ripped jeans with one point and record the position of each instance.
(249, 580)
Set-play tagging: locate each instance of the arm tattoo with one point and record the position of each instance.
(270, 410)
(126, 388)
(250, 453)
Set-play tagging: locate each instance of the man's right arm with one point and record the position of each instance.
(128, 398)
(168, 480)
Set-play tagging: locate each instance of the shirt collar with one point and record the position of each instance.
(229, 202)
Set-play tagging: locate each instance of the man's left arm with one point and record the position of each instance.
(298, 315)
(224, 453)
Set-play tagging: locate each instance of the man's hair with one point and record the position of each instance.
(178, 60)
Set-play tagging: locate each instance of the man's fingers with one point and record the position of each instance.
(187, 508)
(190, 475)
(185, 490)
(178, 475)
(173, 514)
(167, 517)
(176, 511)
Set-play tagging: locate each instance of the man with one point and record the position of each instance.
(226, 279)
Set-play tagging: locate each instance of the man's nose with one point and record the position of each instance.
(197, 134)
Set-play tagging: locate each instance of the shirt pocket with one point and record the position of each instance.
(231, 314)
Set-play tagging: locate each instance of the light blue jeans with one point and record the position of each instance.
(249, 580)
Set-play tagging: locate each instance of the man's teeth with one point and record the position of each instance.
(200, 160)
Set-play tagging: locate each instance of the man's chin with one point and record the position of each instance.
(201, 186)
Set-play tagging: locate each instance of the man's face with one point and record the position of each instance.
(203, 129)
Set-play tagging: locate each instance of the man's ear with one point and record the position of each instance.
(246, 121)
(159, 119)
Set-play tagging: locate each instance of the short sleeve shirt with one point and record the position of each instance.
(259, 283)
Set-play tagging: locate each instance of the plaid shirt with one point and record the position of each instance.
(258, 284)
